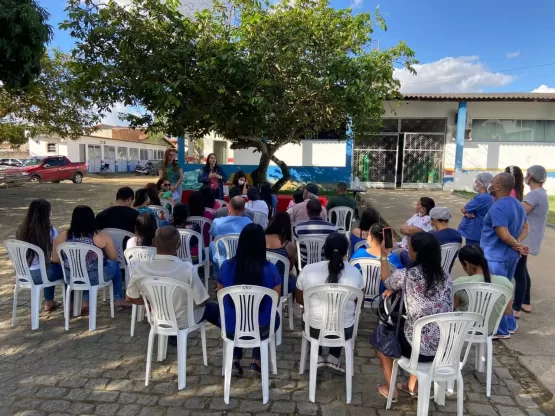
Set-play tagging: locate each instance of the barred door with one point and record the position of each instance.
(375, 159)
(423, 160)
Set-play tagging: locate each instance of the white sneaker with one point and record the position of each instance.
(334, 363)
(512, 331)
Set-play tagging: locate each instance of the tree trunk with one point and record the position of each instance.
(285, 174)
(259, 175)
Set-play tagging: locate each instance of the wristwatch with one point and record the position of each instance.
(384, 258)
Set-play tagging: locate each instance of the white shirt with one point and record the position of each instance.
(172, 268)
(35, 264)
(316, 274)
(257, 205)
(132, 242)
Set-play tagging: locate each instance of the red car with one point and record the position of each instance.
(52, 169)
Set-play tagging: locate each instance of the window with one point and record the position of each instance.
(53, 162)
(144, 154)
(51, 147)
(508, 130)
(62, 161)
(390, 125)
(423, 125)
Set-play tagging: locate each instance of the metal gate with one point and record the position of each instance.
(375, 159)
(423, 160)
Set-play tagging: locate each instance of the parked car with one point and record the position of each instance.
(11, 177)
(11, 162)
(51, 169)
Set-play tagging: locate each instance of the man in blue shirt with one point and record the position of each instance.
(440, 221)
(505, 226)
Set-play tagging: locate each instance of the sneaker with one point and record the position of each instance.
(321, 361)
(334, 363)
(236, 369)
(512, 331)
(501, 336)
(255, 368)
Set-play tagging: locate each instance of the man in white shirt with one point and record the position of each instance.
(167, 265)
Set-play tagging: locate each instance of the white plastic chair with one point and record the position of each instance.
(286, 297)
(454, 328)
(333, 299)
(158, 293)
(118, 237)
(247, 301)
(293, 225)
(314, 245)
(76, 254)
(344, 217)
(222, 203)
(201, 221)
(184, 251)
(229, 243)
(17, 250)
(133, 256)
(160, 208)
(448, 254)
(482, 298)
(260, 218)
(360, 244)
(371, 273)
(211, 210)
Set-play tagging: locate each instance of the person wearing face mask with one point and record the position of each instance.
(476, 209)
(536, 204)
(241, 182)
(505, 227)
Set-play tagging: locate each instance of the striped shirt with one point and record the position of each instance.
(313, 227)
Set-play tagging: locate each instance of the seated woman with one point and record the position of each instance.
(240, 181)
(153, 193)
(278, 240)
(196, 209)
(368, 218)
(334, 270)
(297, 197)
(374, 250)
(249, 267)
(180, 215)
(208, 198)
(476, 266)
(267, 196)
(36, 229)
(82, 229)
(142, 204)
(476, 209)
(145, 229)
(427, 290)
(255, 204)
(419, 222)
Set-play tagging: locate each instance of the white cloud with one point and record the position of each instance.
(512, 55)
(459, 74)
(113, 119)
(356, 4)
(544, 89)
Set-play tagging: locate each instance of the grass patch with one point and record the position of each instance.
(466, 194)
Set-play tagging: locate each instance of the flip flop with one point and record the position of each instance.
(528, 309)
(55, 306)
(393, 400)
(404, 387)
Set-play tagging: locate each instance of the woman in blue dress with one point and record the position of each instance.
(476, 209)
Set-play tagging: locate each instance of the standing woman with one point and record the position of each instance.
(536, 204)
(172, 171)
(213, 176)
(476, 209)
(518, 190)
(36, 229)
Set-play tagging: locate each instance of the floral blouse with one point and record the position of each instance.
(423, 222)
(419, 303)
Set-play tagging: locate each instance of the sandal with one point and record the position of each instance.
(54, 306)
(404, 387)
(526, 308)
(380, 388)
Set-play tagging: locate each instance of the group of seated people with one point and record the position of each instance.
(428, 289)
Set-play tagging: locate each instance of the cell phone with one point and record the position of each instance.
(388, 237)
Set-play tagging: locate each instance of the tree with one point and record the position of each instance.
(23, 40)
(259, 75)
(50, 105)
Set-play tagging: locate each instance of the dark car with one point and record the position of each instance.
(11, 162)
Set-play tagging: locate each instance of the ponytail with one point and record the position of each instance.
(335, 250)
(475, 255)
(485, 269)
(335, 266)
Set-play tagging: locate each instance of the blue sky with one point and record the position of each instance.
(462, 46)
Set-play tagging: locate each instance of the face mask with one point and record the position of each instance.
(241, 181)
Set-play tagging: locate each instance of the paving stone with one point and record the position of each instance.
(103, 396)
(153, 411)
(129, 410)
(56, 405)
(283, 407)
(480, 409)
(51, 392)
(81, 408)
(78, 394)
(505, 400)
(510, 411)
(219, 404)
(107, 409)
(307, 408)
(253, 406)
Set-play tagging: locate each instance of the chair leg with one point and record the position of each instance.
(206, 273)
(133, 319)
(181, 359)
(424, 385)
(77, 302)
(279, 333)
(313, 370)
(67, 307)
(394, 372)
(112, 301)
(489, 364)
(460, 395)
(14, 311)
(439, 393)
(228, 353)
(104, 294)
(304, 348)
(162, 347)
(203, 342)
(93, 303)
(349, 369)
(273, 355)
(290, 310)
(149, 355)
(35, 306)
(265, 373)
(481, 348)
(140, 313)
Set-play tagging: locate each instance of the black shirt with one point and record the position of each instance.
(122, 218)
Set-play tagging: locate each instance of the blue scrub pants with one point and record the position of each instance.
(504, 268)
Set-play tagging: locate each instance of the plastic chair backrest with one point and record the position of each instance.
(119, 238)
(293, 225)
(454, 328)
(371, 270)
(448, 254)
(343, 217)
(222, 203)
(274, 258)
(159, 292)
(211, 210)
(138, 254)
(314, 245)
(360, 244)
(482, 298)
(155, 208)
(184, 252)
(76, 255)
(247, 299)
(201, 221)
(229, 243)
(260, 218)
(17, 251)
(333, 299)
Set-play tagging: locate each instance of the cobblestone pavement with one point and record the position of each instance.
(53, 372)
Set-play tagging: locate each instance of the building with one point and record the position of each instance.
(122, 148)
(444, 140)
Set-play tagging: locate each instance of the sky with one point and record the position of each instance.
(462, 46)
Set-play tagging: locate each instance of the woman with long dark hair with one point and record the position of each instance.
(249, 267)
(82, 229)
(208, 198)
(36, 229)
(426, 290)
(240, 181)
(213, 176)
(266, 196)
(142, 204)
(152, 189)
(278, 241)
(197, 209)
(476, 267)
(172, 170)
(145, 229)
(335, 270)
(368, 218)
(518, 190)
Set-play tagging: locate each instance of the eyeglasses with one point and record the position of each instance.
(166, 184)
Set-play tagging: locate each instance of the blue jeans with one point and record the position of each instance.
(53, 273)
(111, 272)
(507, 269)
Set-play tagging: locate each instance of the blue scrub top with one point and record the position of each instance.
(471, 228)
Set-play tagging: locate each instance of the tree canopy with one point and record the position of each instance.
(23, 40)
(258, 74)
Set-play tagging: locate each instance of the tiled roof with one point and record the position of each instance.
(480, 96)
